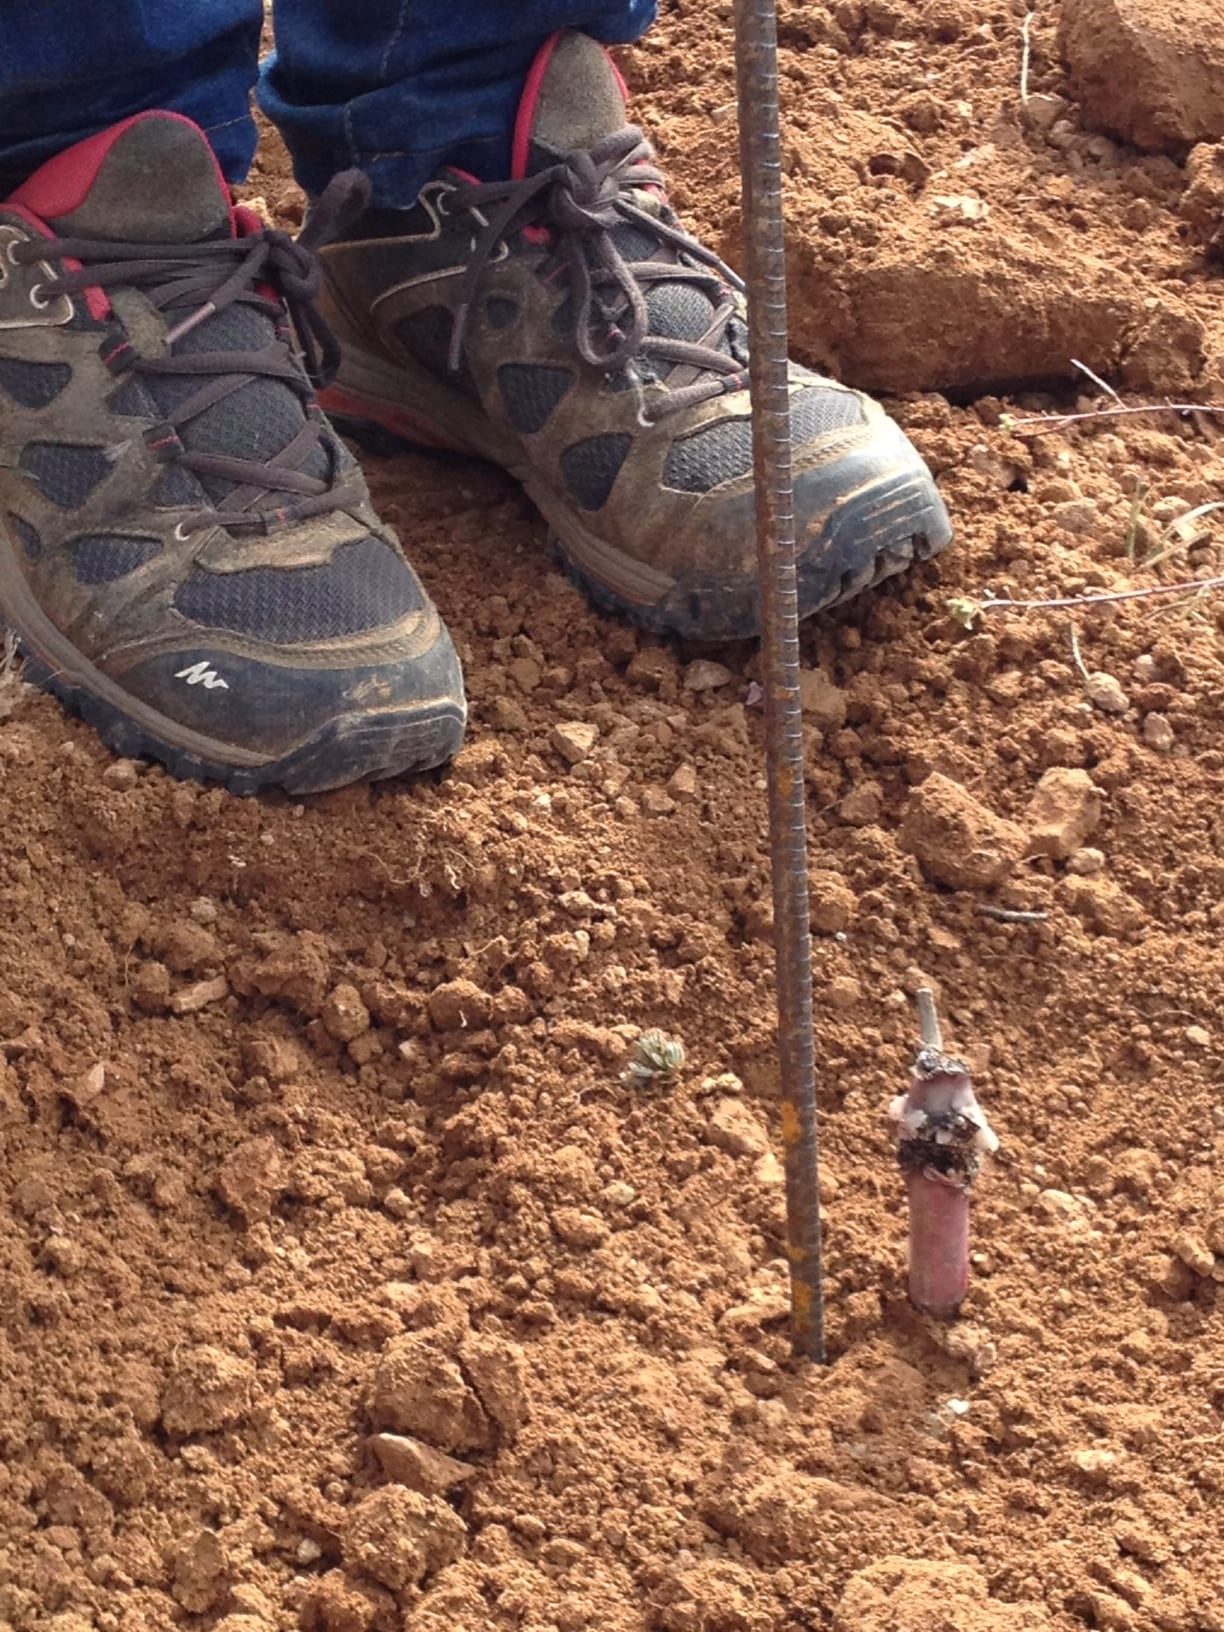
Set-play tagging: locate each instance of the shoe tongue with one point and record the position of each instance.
(152, 180)
(573, 98)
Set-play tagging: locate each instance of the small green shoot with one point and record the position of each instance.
(965, 610)
(656, 1058)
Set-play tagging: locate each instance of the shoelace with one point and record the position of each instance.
(581, 200)
(273, 273)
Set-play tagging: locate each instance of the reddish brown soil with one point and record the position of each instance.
(386, 1177)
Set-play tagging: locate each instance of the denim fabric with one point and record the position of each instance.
(395, 87)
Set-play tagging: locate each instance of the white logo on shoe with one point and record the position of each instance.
(199, 674)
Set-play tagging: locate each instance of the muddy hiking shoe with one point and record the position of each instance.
(565, 326)
(187, 550)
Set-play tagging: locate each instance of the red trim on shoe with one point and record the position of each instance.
(60, 185)
(521, 146)
(400, 421)
(96, 299)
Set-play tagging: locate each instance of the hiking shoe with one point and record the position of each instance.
(187, 550)
(564, 325)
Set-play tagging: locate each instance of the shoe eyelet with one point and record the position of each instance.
(182, 532)
(443, 206)
(32, 295)
(10, 251)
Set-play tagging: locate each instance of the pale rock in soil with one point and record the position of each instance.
(705, 675)
(956, 839)
(191, 999)
(863, 805)
(1104, 692)
(419, 1390)
(1158, 733)
(343, 1014)
(1042, 110)
(822, 701)
(1152, 74)
(922, 1595)
(844, 992)
(400, 1537)
(1064, 811)
(580, 1229)
(682, 784)
(208, 1388)
(1194, 1253)
(574, 739)
(1085, 862)
(733, 1128)
(419, 1466)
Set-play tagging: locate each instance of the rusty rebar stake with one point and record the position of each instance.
(756, 58)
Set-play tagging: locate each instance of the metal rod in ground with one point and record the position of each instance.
(756, 55)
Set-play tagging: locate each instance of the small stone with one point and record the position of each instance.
(190, 999)
(574, 739)
(844, 992)
(343, 1014)
(1096, 1465)
(657, 802)
(459, 1005)
(705, 675)
(62, 1254)
(525, 672)
(123, 775)
(400, 1537)
(1158, 733)
(1197, 1036)
(419, 1466)
(734, 1128)
(1060, 1204)
(1085, 862)
(958, 209)
(822, 701)
(1042, 110)
(956, 839)
(1064, 810)
(683, 785)
(398, 1204)
(1105, 693)
(1194, 1252)
(309, 1551)
(580, 1229)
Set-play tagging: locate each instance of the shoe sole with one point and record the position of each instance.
(361, 746)
(884, 515)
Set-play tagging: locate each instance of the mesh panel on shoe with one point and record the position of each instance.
(103, 557)
(65, 474)
(33, 385)
(530, 392)
(177, 488)
(133, 397)
(500, 311)
(722, 452)
(590, 468)
(364, 586)
(680, 311)
(255, 422)
(27, 536)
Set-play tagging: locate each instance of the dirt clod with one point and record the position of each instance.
(400, 1537)
(1065, 810)
(957, 840)
(207, 1389)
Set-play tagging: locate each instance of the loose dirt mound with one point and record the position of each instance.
(346, 1284)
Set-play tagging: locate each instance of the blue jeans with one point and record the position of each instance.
(394, 87)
